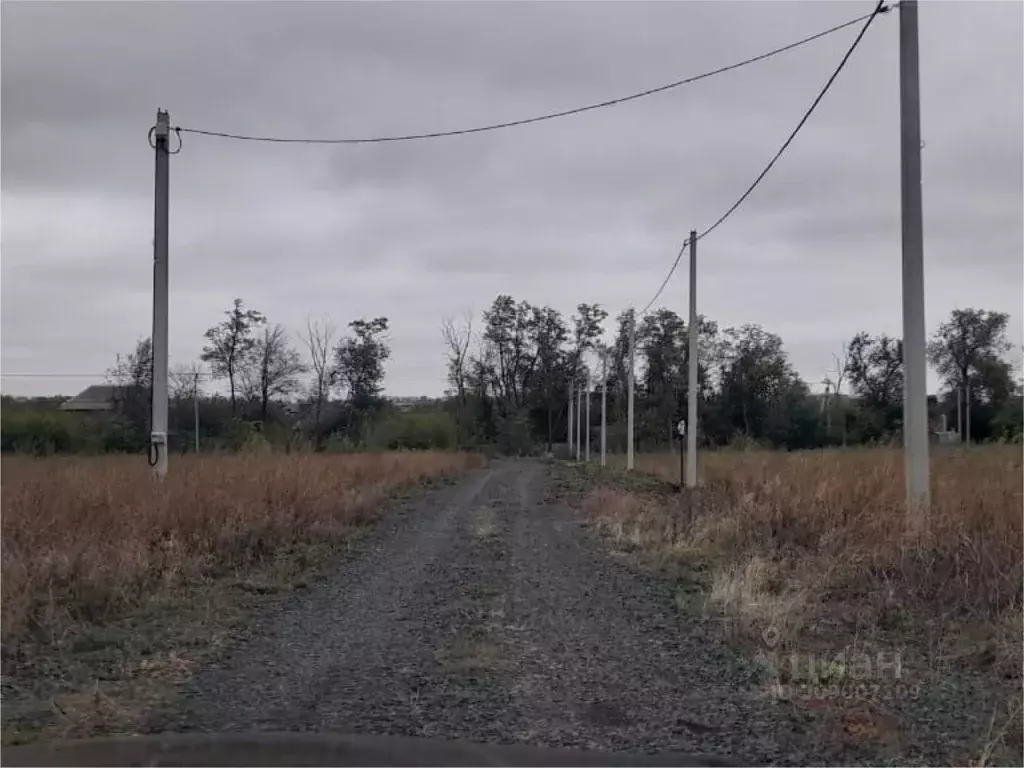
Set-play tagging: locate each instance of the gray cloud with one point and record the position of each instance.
(590, 208)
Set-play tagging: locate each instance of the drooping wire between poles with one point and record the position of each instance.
(879, 9)
(536, 118)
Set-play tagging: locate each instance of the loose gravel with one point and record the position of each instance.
(486, 611)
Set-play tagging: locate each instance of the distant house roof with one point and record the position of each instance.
(405, 403)
(99, 397)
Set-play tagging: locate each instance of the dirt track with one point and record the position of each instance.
(486, 611)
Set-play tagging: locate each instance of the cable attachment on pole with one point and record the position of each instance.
(152, 142)
(177, 132)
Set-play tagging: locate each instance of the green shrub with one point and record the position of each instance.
(339, 443)
(414, 431)
(118, 434)
(1009, 421)
(514, 436)
(256, 443)
(44, 434)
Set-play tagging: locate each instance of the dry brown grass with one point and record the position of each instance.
(86, 538)
(809, 556)
(794, 539)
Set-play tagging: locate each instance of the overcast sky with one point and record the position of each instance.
(588, 208)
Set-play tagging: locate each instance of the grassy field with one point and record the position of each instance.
(85, 539)
(785, 532)
(809, 553)
(116, 588)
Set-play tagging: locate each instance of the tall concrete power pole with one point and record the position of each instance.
(691, 393)
(604, 407)
(195, 405)
(568, 430)
(588, 422)
(959, 414)
(629, 393)
(915, 380)
(161, 214)
(579, 423)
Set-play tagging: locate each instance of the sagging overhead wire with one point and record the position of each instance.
(536, 118)
(679, 257)
(879, 9)
(101, 376)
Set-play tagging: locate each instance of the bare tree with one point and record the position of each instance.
(319, 340)
(184, 388)
(184, 381)
(833, 381)
(271, 368)
(132, 378)
(457, 340)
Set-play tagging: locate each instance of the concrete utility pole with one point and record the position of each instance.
(604, 407)
(587, 429)
(959, 414)
(579, 422)
(195, 404)
(691, 393)
(827, 408)
(629, 394)
(915, 393)
(161, 214)
(569, 427)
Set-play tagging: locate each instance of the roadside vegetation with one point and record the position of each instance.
(806, 555)
(86, 538)
(114, 584)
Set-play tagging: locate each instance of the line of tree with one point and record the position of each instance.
(273, 393)
(509, 379)
(512, 388)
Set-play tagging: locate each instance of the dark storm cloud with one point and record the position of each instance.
(589, 208)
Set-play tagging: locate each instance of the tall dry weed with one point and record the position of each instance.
(831, 527)
(84, 538)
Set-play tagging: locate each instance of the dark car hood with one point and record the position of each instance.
(266, 749)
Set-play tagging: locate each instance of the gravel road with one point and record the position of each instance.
(486, 611)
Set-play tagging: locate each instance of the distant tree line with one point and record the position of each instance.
(509, 377)
(274, 394)
(512, 387)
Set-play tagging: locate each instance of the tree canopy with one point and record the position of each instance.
(511, 375)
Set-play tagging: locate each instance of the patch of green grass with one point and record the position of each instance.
(481, 591)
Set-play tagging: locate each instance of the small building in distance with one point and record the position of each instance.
(95, 399)
(408, 403)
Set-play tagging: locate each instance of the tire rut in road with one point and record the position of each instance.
(604, 660)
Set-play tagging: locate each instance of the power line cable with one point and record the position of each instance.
(880, 8)
(536, 118)
(53, 375)
(679, 257)
(185, 374)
